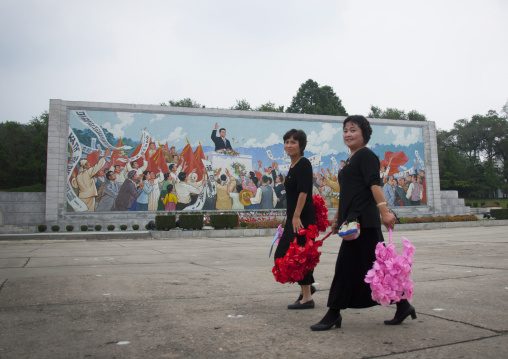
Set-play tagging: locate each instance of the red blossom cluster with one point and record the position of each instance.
(322, 221)
(298, 260)
(301, 259)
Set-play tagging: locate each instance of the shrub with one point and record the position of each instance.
(55, 228)
(243, 224)
(191, 221)
(490, 205)
(32, 188)
(111, 227)
(146, 227)
(482, 204)
(475, 204)
(219, 221)
(499, 213)
(98, 227)
(468, 204)
(69, 228)
(42, 228)
(463, 218)
(123, 227)
(135, 227)
(84, 228)
(165, 222)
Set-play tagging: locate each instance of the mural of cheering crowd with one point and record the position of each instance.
(119, 161)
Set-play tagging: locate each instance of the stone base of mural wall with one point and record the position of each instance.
(28, 210)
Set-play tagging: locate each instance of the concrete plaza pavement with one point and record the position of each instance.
(216, 298)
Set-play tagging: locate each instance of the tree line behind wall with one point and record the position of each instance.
(471, 155)
(23, 153)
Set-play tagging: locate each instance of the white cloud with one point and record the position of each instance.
(400, 137)
(157, 118)
(325, 149)
(269, 141)
(126, 119)
(176, 135)
(325, 135)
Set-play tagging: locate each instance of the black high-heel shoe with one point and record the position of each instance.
(320, 326)
(312, 291)
(410, 311)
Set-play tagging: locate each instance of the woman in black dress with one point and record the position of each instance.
(362, 199)
(300, 209)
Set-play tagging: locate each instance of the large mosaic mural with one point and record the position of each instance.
(125, 161)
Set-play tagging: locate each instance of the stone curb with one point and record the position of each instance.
(220, 233)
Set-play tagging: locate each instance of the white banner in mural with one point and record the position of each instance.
(97, 130)
(75, 151)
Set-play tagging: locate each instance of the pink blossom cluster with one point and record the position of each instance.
(389, 277)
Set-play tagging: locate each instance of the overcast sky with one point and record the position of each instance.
(445, 59)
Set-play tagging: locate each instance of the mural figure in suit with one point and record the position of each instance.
(220, 142)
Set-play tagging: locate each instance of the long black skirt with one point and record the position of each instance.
(355, 259)
(288, 236)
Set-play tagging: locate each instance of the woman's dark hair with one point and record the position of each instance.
(361, 122)
(298, 135)
(239, 188)
(169, 188)
(166, 176)
(253, 178)
(171, 166)
(144, 174)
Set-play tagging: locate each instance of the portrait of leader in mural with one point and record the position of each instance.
(220, 142)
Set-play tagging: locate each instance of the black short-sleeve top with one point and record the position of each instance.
(299, 179)
(356, 178)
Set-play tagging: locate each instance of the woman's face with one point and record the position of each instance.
(352, 135)
(292, 147)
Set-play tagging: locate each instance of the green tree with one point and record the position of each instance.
(269, 107)
(23, 152)
(242, 105)
(395, 114)
(414, 115)
(185, 102)
(318, 100)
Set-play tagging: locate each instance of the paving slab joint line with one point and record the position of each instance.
(466, 323)
(453, 278)
(200, 265)
(28, 260)
(430, 347)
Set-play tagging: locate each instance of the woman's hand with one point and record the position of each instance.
(388, 219)
(297, 224)
(335, 227)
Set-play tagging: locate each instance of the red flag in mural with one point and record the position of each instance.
(198, 164)
(394, 161)
(118, 157)
(157, 162)
(93, 158)
(136, 151)
(166, 148)
(187, 158)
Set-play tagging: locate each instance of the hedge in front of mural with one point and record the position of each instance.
(124, 161)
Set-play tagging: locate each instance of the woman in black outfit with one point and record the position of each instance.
(362, 199)
(300, 209)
